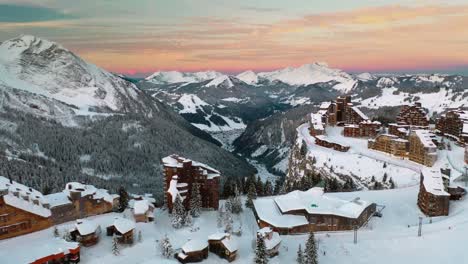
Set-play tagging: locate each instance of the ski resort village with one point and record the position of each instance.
(355, 187)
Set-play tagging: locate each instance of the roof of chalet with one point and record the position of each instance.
(433, 181)
(85, 190)
(176, 161)
(316, 121)
(141, 207)
(85, 227)
(359, 112)
(123, 225)
(194, 245)
(425, 137)
(25, 199)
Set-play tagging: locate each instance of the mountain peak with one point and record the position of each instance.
(248, 77)
(167, 77)
(11, 48)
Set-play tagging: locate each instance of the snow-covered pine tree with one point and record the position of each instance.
(178, 213)
(310, 252)
(236, 202)
(228, 222)
(140, 238)
(56, 232)
(260, 252)
(251, 195)
(115, 246)
(195, 201)
(228, 205)
(188, 220)
(300, 255)
(123, 199)
(268, 189)
(166, 247)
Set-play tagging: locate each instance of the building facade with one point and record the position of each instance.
(364, 129)
(390, 144)
(433, 197)
(422, 149)
(454, 124)
(413, 115)
(180, 176)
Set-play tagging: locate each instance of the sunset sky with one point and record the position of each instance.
(143, 36)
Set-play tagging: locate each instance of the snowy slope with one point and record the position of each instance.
(311, 74)
(42, 67)
(248, 77)
(168, 77)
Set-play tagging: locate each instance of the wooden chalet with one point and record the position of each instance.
(85, 232)
(223, 245)
(22, 209)
(317, 124)
(399, 130)
(193, 251)
(180, 176)
(363, 129)
(143, 211)
(312, 210)
(390, 144)
(123, 229)
(326, 143)
(272, 240)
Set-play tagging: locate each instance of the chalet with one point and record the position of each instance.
(180, 176)
(143, 211)
(193, 251)
(413, 115)
(317, 124)
(328, 110)
(37, 252)
(272, 240)
(433, 197)
(454, 124)
(22, 209)
(365, 128)
(323, 141)
(223, 245)
(312, 210)
(422, 149)
(86, 232)
(390, 144)
(80, 201)
(123, 229)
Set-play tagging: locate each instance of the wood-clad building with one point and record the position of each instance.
(422, 149)
(363, 129)
(326, 143)
(413, 115)
(193, 251)
(399, 130)
(40, 251)
(390, 144)
(433, 197)
(454, 124)
(180, 176)
(302, 212)
(143, 211)
(317, 124)
(223, 245)
(22, 209)
(272, 240)
(123, 229)
(85, 232)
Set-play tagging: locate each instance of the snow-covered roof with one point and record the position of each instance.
(194, 245)
(24, 198)
(58, 199)
(465, 128)
(267, 211)
(141, 207)
(325, 105)
(230, 243)
(316, 121)
(37, 249)
(359, 112)
(425, 137)
(314, 201)
(433, 181)
(173, 188)
(123, 225)
(217, 236)
(269, 242)
(264, 231)
(85, 227)
(85, 190)
(175, 161)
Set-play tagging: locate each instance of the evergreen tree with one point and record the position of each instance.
(236, 202)
(392, 184)
(259, 186)
(140, 238)
(251, 195)
(56, 232)
(385, 165)
(178, 213)
(220, 216)
(268, 190)
(300, 255)
(228, 222)
(115, 246)
(384, 179)
(278, 186)
(310, 251)
(195, 201)
(123, 199)
(166, 247)
(260, 251)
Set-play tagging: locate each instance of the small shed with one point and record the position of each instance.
(272, 240)
(193, 251)
(143, 211)
(223, 245)
(86, 232)
(123, 229)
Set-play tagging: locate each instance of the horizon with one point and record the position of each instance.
(186, 35)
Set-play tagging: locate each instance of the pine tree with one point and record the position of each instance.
(260, 252)
(220, 216)
(228, 222)
(268, 190)
(384, 179)
(123, 199)
(236, 202)
(300, 255)
(392, 184)
(195, 201)
(140, 238)
(278, 186)
(259, 186)
(115, 246)
(166, 247)
(310, 251)
(178, 213)
(56, 232)
(251, 195)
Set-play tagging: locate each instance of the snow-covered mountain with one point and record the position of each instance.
(249, 77)
(45, 68)
(169, 77)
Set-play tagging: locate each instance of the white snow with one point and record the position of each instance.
(195, 245)
(230, 243)
(123, 225)
(224, 80)
(433, 181)
(269, 212)
(169, 77)
(173, 188)
(85, 190)
(248, 77)
(190, 103)
(57, 199)
(85, 227)
(142, 206)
